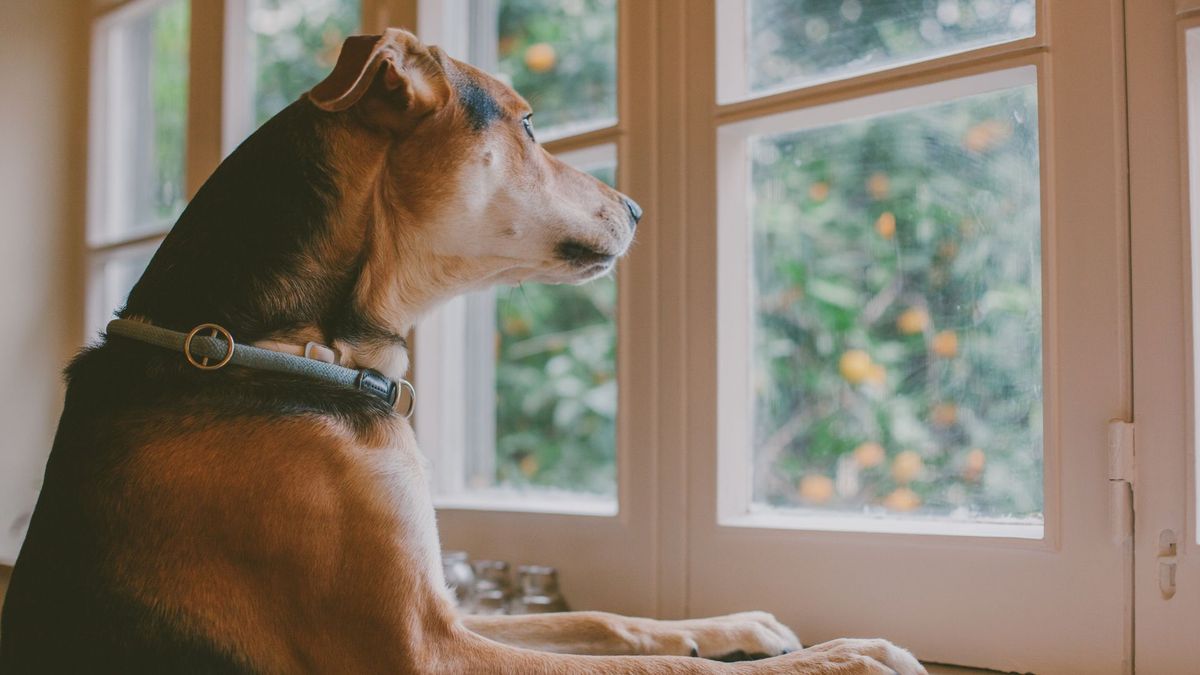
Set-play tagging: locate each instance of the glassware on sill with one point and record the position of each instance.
(492, 586)
(539, 594)
(490, 602)
(460, 577)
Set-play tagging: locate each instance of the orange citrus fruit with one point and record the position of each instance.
(906, 466)
(902, 499)
(528, 465)
(869, 454)
(540, 57)
(818, 191)
(855, 365)
(879, 185)
(945, 344)
(912, 320)
(944, 414)
(877, 374)
(885, 225)
(816, 489)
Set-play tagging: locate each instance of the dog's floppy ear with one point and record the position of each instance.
(412, 76)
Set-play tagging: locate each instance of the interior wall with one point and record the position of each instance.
(43, 77)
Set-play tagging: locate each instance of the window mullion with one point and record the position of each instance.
(205, 92)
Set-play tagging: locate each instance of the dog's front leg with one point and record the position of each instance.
(744, 635)
(472, 654)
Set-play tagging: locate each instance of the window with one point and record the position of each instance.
(894, 297)
(288, 47)
(777, 46)
(139, 120)
(912, 376)
(274, 50)
(534, 367)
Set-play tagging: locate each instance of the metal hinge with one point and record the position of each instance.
(1122, 478)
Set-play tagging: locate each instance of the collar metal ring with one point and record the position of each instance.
(412, 397)
(203, 363)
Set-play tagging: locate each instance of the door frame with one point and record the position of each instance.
(1163, 299)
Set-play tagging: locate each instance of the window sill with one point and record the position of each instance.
(516, 501)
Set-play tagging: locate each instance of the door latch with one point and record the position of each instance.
(1167, 548)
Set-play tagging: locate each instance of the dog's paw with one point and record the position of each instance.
(888, 655)
(737, 637)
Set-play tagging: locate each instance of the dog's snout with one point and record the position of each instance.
(635, 211)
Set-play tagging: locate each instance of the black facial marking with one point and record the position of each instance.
(479, 105)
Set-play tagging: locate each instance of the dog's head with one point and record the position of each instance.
(468, 168)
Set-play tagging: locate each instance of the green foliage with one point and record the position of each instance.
(934, 212)
(556, 385)
(168, 91)
(801, 41)
(561, 56)
(295, 45)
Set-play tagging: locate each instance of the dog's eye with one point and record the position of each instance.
(527, 122)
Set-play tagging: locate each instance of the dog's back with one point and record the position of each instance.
(60, 613)
(67, 609)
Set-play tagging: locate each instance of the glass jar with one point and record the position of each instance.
(492, 586)
(460, 578)
(539, 594)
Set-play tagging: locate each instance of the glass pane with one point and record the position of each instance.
(560, 55)
(790, 43)
(897, 341)
(556, 376)
(145, 111)
(294, 45)
(115, 276)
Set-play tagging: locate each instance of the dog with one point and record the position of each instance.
(201, 517)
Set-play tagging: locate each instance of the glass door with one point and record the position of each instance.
(1164, 170)
(900, 408)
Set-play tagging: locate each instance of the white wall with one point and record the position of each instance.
(43, 81)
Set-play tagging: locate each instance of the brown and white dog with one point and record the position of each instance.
(245, 521)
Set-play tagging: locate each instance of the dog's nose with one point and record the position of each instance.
(635, 211)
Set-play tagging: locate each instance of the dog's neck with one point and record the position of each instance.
(304, 234)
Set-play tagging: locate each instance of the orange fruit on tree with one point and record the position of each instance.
(540, 57)
(876, 374)
(868, 455)
(885, 225)
(973, 466)
(902, 499)
(879, 185)
(945, 344)
(855, 365)
(944, 414)
(528, 465)
(912, 320)
(818, 191)
(816, 488)
(906, 466)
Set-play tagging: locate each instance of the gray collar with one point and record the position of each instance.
(218, 349)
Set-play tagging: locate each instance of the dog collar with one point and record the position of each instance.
(218, 349)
